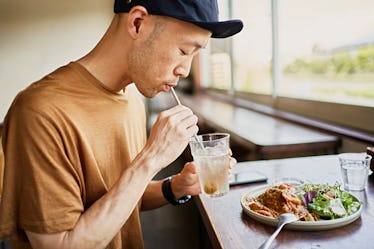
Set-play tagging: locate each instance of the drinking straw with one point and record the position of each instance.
(179, 103)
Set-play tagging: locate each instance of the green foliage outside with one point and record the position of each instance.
(340, 66)
(341, 63)
(360, 93)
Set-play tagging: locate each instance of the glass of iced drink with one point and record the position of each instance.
(211, 155)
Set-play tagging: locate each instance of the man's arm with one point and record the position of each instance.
(182, 184)
(101, 222)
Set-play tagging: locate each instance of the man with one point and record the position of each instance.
(78, 166)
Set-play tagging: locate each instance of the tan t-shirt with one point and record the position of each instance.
(1, 168)
(66, 141)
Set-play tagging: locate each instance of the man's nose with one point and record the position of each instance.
(183, 69)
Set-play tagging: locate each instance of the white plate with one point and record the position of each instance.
(297, 225)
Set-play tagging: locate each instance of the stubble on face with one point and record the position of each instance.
(141, 62)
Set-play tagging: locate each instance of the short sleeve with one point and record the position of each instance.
(45, 185)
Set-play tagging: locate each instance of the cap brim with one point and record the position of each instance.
(221, 29)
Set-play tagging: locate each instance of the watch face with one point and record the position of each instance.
(184, 199)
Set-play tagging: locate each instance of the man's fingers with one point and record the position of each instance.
(190, 167)
(233, 162)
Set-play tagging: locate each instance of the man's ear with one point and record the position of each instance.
(135, 20)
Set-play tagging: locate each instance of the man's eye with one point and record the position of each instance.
(182, 52)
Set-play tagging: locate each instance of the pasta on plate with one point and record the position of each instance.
(277, 200)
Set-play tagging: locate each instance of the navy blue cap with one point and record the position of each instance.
(203, 13)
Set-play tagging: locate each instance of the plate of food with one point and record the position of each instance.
(318, 206)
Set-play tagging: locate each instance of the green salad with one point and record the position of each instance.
(328, 202)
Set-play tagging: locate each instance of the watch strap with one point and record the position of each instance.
(169, 196)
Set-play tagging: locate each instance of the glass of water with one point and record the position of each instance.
(355, 168)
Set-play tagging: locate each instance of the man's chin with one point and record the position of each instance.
(149, 94)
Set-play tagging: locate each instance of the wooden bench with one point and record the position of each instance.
(257, 136)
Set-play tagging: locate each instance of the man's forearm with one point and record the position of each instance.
(101, 222)
(153, 197)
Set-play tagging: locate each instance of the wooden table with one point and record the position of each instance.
(230, 228)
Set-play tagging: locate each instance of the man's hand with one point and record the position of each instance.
(187, 181)
(233, 162)
(170, 134)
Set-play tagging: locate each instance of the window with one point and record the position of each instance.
(325, 50)
(220, 57)
(252, 47)
(243, 61)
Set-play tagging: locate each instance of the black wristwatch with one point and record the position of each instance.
(169, 196)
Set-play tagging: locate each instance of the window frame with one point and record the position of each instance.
(351, 117)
